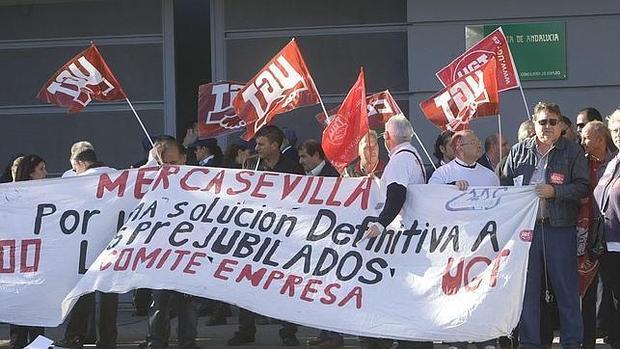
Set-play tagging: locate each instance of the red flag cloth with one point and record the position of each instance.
(586, 267)
(473, 95)
(84, 78)
(343, 134)
(216, 116)
(380, 106)
(493, 45)
(282, 85)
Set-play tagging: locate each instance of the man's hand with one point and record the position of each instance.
(545, 191)
(190, 137)
(461, 185)
(374, 229)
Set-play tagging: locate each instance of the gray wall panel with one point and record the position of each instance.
(437, 35)
(589, 46)
(438, 11)
(333, 60)
(116, 136)
(80, 18)
(243, 14)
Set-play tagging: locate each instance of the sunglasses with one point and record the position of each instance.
(551, 122)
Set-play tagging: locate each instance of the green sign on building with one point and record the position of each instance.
(538, 49)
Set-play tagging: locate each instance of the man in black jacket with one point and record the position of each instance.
(268, 143)
(312, 159)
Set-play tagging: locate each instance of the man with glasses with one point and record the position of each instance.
(464, 170)
(558, 169)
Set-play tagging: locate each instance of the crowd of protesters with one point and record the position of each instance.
(574, 168)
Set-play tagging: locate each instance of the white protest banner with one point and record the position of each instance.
(50, 232)
(292, 247)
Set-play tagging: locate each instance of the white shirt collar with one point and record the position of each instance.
(462, 163)
(285, 149)
(205, 160)
(397, 148)
(315, 171)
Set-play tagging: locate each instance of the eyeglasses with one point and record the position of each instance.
(551, 122)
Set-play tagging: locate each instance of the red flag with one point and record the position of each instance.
(84, 78)
(216, 116)
(380, 106)
(282, 85)
(343, 134)
(493, 45)
(473, 95)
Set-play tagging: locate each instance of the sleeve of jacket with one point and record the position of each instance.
(579, 187)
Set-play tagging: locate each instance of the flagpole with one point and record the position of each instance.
(424, 148)
(527, 110)
(499, 135)
(161, 162)
(327, 116)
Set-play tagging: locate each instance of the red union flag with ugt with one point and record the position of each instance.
(493, 45)
(282, 85)
(342, 136)
(84, 78)
(216, 116)
(473, 95)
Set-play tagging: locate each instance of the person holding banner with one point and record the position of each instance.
(403, 170)
(85, 163)
(28, 167)
(269, 141)
(312, 159)
(463, 172)
(559, 171)
(171, 152)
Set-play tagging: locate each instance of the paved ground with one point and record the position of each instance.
(133, 329)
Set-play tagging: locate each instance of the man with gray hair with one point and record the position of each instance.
(404, 170)
(76, 148)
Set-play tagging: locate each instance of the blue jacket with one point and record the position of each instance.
(567, 170)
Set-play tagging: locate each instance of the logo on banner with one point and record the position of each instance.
(471, 62)
(466, 95)
(473, 95)
(278, 82)
(75, 81)
(216, 116)
(526, 235)
(493, 45)
(478, 199)
(282, 85)
(337, 131)
(381, 107)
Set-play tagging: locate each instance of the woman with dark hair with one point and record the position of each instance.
(31, 167)
(28, 167)
(7, 176)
